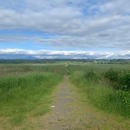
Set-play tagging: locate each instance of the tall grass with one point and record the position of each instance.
(119, 79)
(21, 69)
(26, 94)
(100, 92)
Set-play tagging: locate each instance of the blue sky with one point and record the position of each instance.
(98, 28)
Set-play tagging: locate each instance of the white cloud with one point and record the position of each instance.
(74, 23)
(116, 7)
(112, 38)
(48, 54)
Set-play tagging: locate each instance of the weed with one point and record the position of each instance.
(97, 89)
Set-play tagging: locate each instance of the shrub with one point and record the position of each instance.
(91, 75)
(125, 81)
(119, 79)
(112, 75)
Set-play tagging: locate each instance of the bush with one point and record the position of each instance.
(118, 79)
(91, 76)
(112, 75)
(125, 81)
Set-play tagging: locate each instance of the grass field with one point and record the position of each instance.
(106, 86)
(25, 92)
(26, 89)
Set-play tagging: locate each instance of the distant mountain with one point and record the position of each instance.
(17, 56)
(61, 55)
(30, 58)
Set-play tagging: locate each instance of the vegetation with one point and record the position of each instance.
(60, 61)
(107, 89)
(25, 91)
(119, 79)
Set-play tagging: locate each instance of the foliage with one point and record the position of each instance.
(119, 79)
(91, 75)
(112, 75)
(97, 89)
(25, 89)
(125, 80)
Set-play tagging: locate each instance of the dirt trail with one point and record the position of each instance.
(70, 112)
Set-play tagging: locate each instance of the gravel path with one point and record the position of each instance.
(70, 112)
(61, 109)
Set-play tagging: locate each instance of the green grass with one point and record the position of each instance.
(26, 90)
(21, 69)
(27, 94)
(99, 91)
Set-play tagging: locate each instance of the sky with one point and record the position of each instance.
(77, 29)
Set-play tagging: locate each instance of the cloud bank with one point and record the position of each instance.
(68, 23)
(43, 54)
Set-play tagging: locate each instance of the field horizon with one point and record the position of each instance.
(26, 89)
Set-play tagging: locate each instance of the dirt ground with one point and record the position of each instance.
(71, 112)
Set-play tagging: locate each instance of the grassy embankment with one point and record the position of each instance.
(106, 86)
(25, 92)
